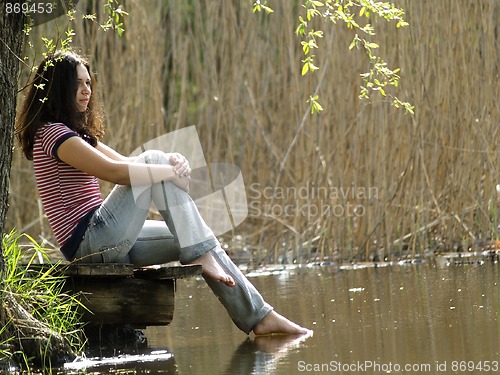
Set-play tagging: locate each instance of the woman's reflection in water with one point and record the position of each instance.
(262, 354)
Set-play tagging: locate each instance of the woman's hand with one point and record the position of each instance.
(182, 182)
(181, 165)
(182, 171)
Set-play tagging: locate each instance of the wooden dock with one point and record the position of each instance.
(119, 294)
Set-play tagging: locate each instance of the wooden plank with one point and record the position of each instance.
(98, 269)
(116, 294)
(158, 272)
(87, 269)
(168, 272)
(131, 301)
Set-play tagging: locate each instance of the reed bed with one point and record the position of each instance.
(360, 181)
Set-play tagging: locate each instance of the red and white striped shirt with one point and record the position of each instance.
(67, 193)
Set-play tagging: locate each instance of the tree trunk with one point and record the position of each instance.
(11, 39)
(33, 337)
(11, 36)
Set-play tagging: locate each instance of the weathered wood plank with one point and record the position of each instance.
(131, 301)
(98, 269)
(118, 294)
(157, 272)
(168, 272)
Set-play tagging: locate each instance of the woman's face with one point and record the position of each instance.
(84, 91)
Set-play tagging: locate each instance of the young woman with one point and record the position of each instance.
(59, 128)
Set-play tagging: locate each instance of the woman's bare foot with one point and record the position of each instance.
(274, 323)
(213, 270)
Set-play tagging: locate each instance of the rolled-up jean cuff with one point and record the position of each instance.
(192, 252)
(243, 302)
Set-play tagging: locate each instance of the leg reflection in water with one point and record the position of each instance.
(263, 354)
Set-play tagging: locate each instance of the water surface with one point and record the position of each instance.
(404, 319)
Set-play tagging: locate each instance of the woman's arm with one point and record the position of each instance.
(111, 153)
(180, 163)
(101, 163)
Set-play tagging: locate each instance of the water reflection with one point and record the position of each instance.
(416, 315)
(400, 319)
(147, 362)
(262, 355)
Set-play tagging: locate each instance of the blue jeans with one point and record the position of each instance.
(119, 232)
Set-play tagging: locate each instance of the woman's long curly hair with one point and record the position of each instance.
(51, 97)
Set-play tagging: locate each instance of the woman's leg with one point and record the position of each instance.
(155, 245)
(120, 225)
(113, 229)
(244, 304)
(119, 232)
(120, 221)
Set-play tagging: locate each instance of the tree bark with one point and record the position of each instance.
(33, 337)
(11, 40)
(11, 30)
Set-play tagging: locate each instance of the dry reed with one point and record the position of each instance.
(412, 184)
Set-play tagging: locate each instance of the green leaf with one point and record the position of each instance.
(312, 67)
(305, 47)
(301, 30)
(318, 34)
(120, 30)
(267, 9)
(316, 108)
(312, 44)
(305, 69)
(91, 17)
(317, 3)
(258, 6)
